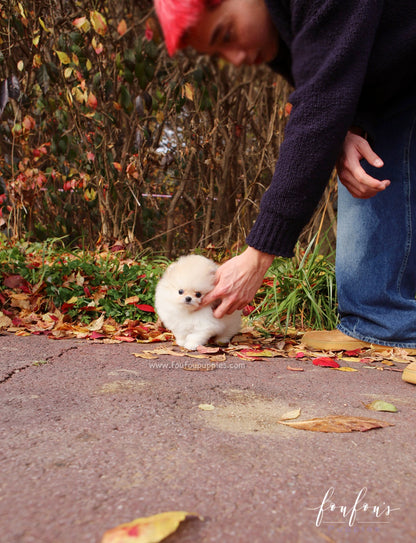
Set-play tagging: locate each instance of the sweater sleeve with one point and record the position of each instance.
(330, 45)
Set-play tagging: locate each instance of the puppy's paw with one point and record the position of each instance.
(190, 345)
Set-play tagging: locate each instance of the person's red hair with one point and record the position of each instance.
(176, 17)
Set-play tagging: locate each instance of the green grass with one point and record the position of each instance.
(302, 292)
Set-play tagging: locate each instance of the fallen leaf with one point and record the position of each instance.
(290, 415)
(218, 358)
(147, 355)
(294, 369)
(206, 406)
(338, 424)
(207, 350)
(148, 529)
(98, 22)
(346, 368)
(300, 354)
(379, 405)
(131, 300)
(5, 321)
(349, 359)
(355, 352)
(325, 362)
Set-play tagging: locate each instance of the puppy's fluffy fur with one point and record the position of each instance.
(178, 298)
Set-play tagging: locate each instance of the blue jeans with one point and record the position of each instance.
(376, 241)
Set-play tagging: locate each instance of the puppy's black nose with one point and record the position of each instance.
(188, 299)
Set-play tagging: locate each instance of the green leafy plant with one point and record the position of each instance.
(81, 284)
(299, 292)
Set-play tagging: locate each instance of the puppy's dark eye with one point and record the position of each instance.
(180, 291)
(198, 294)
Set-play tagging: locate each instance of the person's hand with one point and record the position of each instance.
(237, 281)
(351, 173)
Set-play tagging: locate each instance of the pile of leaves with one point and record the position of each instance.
(44, 290)
(47, 288)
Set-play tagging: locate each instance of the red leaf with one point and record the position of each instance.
(145, 307)
(326, 362)
(248, 309)
(96, 335)
(17, 281)
(355, 352)
(65, 307)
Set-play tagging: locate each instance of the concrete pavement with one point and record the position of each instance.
(92, 436)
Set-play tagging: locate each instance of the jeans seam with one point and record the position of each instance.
(407, 195)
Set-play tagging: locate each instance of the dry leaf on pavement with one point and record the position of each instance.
(148, 529)
(380, 405)
(290, 415)
(337, 424)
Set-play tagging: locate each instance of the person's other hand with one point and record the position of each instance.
(237, 281)
(351, 173)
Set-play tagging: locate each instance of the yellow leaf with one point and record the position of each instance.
(146, 355)
(35, 40)
(148, 529)
(132, 300)
(68, 72)
(349, 358)
(82, 23)
(96, 325)
(45, 28)
(20, 66)
(337, 424)
(90, 194)
(345, 368)
(188, 91)
(99, 23)
(37, 61)
(63, 57)
(206, 406)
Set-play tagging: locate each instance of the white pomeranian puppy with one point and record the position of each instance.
(177, 301)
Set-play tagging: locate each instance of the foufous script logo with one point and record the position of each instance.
(358, 511)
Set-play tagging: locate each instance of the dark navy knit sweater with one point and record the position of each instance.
(349, 61)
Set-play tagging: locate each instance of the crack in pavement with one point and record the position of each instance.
(45, 360)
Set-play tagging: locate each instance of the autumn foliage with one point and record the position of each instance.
(111, 140)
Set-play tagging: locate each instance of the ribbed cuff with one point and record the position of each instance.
(274, 234)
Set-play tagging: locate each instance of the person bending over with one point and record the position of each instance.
(353, 69)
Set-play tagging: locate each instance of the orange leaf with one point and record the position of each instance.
(337, 424)
(148, 529)
(122, 27)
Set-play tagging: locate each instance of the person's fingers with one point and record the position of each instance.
(368, 154)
